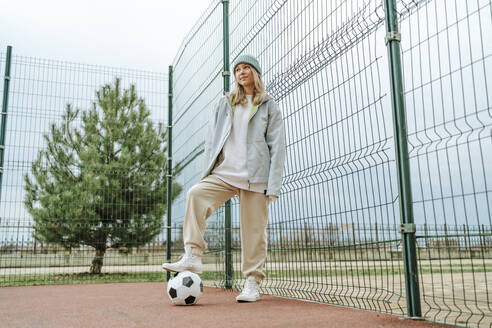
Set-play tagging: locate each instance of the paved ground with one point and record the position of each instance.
(146, 305)
(461, 297)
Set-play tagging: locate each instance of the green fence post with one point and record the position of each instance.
(169, 165)
(5, 100)
(226, 74)
(403, 167)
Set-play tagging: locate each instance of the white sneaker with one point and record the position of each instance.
(250, 291)
(188, 262)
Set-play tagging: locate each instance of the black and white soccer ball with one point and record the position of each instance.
(185, 288)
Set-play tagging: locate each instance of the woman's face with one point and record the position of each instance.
(244, 75)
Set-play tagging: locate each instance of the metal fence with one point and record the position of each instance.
(38, 93)
(335, 232)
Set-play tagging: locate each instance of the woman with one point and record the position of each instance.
(244, 156)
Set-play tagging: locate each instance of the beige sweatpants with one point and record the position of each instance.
(205, 197)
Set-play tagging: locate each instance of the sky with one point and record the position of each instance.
(144, 34)
(148, 36)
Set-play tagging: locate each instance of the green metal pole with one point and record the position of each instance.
(3, 126)
(169, 165)
(402, 161)
(228, 226)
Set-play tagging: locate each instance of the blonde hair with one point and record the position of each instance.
(238, 95)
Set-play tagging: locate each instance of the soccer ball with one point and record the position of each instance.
(185, 288)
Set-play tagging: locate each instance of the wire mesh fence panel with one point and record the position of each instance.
(334, 234)
(447, 66)
(85, 195)
(332, 231)
(197, 85)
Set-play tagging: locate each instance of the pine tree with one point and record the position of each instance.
(101, 181)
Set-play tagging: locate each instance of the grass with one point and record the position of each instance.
(87, 278)
(63, 259)
(159, 276)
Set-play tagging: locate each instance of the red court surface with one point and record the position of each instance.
(147, 305)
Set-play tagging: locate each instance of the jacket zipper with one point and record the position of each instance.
(249, 119)
(256, 109)
(222, 143)
(222, 146)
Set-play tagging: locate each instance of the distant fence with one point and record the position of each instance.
(335, 233)
(38, 93)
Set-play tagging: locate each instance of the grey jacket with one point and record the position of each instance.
(265, 142)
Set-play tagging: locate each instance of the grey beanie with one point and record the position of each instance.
(248, 59)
